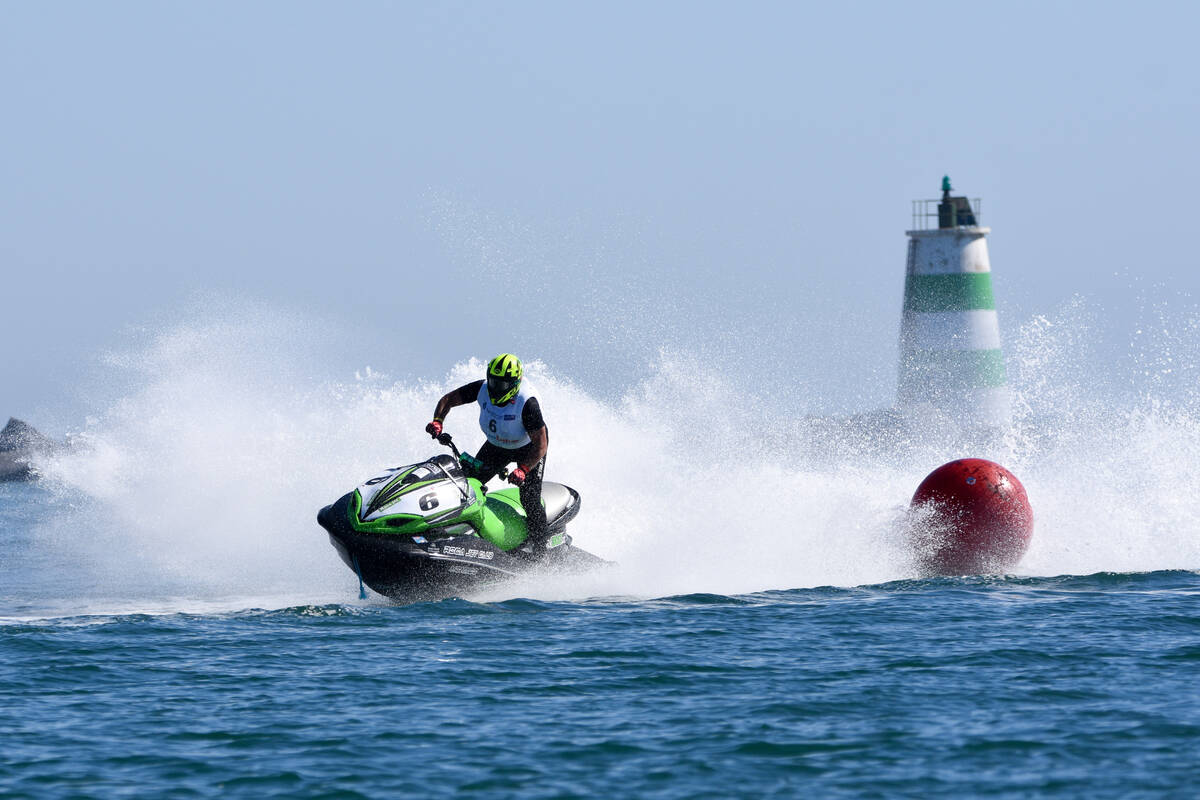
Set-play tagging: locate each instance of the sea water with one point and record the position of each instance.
(173, 623)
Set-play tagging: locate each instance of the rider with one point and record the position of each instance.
(511, 419)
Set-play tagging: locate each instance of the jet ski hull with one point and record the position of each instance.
(431, 567)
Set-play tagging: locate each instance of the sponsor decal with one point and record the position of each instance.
(555, 541)
(462, 570)
(420, 539)
(486, 555)
(510, 416)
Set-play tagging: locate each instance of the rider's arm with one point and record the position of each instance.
(539, 434)
(459, 397)
(540, 439)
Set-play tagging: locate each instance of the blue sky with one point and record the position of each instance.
(582, 183)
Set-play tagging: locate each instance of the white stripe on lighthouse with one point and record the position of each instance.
(978, 329)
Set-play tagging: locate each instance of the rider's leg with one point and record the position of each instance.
(531, 501)
(491, 459)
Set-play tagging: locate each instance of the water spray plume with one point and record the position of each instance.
(204, 477)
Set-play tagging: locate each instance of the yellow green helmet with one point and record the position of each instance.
(504, 378)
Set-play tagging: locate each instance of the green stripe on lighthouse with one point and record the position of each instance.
(961, 291)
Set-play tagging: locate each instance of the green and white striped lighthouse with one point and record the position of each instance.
(951, 362)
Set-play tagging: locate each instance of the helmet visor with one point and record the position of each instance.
(502, 388)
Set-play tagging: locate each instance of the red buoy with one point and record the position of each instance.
(968, 517)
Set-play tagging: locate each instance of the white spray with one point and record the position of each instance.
(204, 479)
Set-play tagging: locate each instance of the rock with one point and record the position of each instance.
(20, 442)
(20, 435)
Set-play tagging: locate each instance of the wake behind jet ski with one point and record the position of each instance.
(428, 531)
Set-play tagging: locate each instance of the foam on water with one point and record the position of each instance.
(203, 480)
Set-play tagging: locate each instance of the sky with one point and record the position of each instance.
(583, 183)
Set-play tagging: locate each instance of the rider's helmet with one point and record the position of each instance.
(504, 378)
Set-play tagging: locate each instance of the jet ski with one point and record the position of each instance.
(426, 531)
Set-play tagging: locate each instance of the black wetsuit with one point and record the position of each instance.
(492, 458)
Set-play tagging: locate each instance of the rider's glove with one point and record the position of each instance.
(434, 429)
(517, 476)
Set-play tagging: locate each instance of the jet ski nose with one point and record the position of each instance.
(333, 518)
(325, 517)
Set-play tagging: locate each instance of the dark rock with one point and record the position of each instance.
(20, 435)
(14, 468)
(19, 443)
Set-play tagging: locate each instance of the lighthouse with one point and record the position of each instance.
(951, 362)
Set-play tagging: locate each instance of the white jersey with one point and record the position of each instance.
(502, 425)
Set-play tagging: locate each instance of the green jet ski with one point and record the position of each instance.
(426, 531)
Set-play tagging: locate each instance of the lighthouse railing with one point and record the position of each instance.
(925, 213)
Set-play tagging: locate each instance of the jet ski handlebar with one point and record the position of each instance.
(444, 438)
